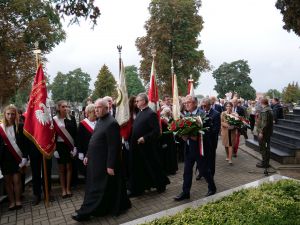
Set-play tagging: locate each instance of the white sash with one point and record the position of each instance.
(90, 126)
(12, 142)
(62, 131)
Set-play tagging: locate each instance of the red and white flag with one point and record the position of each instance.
(122, 102)
(38, 126)
(153, 91)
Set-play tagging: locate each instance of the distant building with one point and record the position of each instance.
(259, 95)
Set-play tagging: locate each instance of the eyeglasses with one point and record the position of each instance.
(138, 100)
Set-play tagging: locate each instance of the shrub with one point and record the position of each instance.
(271, 203)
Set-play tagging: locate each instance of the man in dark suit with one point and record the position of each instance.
(192, 154)
(214, 105)
(111, 105)
(145, 171)
(277, 110)
(214, 132)
(105, 191)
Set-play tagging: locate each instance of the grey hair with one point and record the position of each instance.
(102, 101)
(108, 98)
(144, 97)
(206, 100)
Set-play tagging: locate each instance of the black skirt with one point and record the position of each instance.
(8, 163)
(64, 153)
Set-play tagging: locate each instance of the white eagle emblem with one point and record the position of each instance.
(43, 115)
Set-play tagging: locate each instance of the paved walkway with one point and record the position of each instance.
(59, 212)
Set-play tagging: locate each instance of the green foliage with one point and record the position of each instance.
(173, 31)
(133, 83)
(22, 23)
(105, 84)
(273, 93)
(269, 204)
(290, 9)
(78, 9)
(73, 86)
(291, 93)
(234, 77)
(21, 97)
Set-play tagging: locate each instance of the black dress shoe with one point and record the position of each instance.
(79, 217)
(182, 196)
(36, 200)
(262, 165)
(210, 192)
(198, 177)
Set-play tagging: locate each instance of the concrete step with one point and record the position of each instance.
(296, 111)
(293, 140)
(289, 123)
(276, 154)
(287, 130)
(291, 116)
(284, 146)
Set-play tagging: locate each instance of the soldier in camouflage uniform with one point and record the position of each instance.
(264, 129)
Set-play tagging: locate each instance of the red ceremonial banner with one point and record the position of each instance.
(38, 126)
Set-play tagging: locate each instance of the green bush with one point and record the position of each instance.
(271, 203)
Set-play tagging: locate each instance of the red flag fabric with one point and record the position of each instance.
(153, 90)
(38, 126)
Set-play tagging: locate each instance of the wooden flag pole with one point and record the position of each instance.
(37, 53)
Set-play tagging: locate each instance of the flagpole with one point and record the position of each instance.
(119, 47)
(37, 53)
(172, 74)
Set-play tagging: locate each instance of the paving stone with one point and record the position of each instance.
(59, 212)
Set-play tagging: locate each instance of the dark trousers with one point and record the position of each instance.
(191, 156)
(212, 155)
(252, 121)
(36, 164)
(264, 147)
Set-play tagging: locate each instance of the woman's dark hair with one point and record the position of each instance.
(228, 103)
(132, 106)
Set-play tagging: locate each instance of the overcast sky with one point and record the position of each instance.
(233, 30)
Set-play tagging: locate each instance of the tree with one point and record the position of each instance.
(133, 83)
(105, 85)
(78, 9)
(234, 77)
(172, 30)
(290, 9)
(23, 23)
(73, 86)
(21, 97)
(291, 93)
(273, 93)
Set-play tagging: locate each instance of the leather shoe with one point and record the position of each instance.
(182, 196)
(261, 165)
(79, 217)
(36, 200)
(210, 192)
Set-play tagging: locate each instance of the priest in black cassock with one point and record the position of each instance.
(105, 191)
(145, 169)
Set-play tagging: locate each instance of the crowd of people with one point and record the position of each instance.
(122, 162)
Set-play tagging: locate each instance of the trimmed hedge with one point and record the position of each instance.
(271, 203)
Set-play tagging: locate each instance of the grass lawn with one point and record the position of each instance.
(269, 204)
